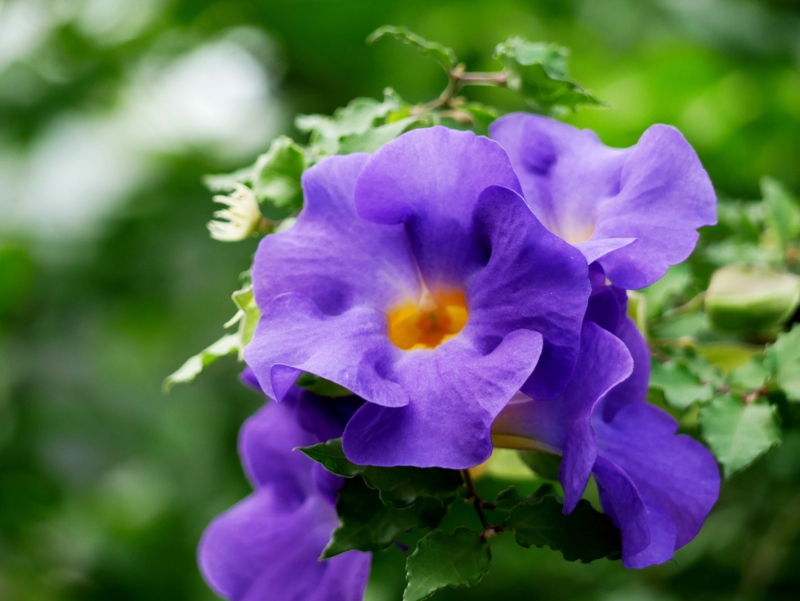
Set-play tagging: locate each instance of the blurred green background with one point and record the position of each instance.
(110, 113)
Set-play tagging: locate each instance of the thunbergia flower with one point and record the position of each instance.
(635, 210)
(657, 487)
(268, 546)
(420, 280)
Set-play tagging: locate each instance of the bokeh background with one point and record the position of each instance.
(110, 113)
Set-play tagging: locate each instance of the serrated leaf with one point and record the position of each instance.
(783, 359)
(444, 560)
(372, 139)
(681, 387)
(369, 525)
(738, 433)
(397, 486)
(537, 72)
(584, 535)
(276, 178)
(353, 122)
(750, 376)
(782, 213)
(225, 182)
(196, 364)
(331, 455)
(507, 499)
(443, 55)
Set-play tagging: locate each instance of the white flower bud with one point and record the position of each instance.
(240, 220)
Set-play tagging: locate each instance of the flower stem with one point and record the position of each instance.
(479, 504)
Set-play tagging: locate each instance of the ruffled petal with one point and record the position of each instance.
(332, 256)
(675, 478)
(564, 424)
(351, 349)
(257, 550)
(429, 180)
(655, 192)
(456, 391)
(532, 280)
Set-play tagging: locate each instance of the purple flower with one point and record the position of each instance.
(635, 210)
(420, 280)
(268, 545)
(657, 487)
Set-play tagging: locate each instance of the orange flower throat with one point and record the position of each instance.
(428, 323)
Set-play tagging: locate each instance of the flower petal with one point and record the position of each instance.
(456, 391)
(675, 478)
(656, 192)
(533, 280)
(429, 179)
(331, 255)
(351, 349)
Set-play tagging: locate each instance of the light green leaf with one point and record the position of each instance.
(444, 560)
(681, 387)
(443, 55)
(226, 182)
(537, 72)
(783, 359)
(584, 535)
(750, 376)
(195, 365)
(248, 315)
(738, 433)
(372, 139)
(276, 178)
(748, 298)
(782, 213)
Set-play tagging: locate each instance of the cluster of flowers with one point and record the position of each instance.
(471, 293)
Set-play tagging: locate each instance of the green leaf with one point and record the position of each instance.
(748, 298)
(681, 387)
(783, 359)
(247, 316)
(750, 376)
(443, 55)
(537, 72)
(348, 130)
(398, 486)
(444, 560)
(738, 433)
(543, 463)
(321, 386)
(782, 213)
(276, 178)
(369, 525)
(507, 499)
(584, 535)
(226, 182)
(196, 364)
(372, 139)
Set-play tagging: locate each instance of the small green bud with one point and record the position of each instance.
(749, 298)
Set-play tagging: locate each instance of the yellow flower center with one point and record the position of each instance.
(429, 322)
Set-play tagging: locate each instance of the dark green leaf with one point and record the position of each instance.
(584, 535)
(783, 360)
(441, 54)
(398, 486)
(507, 499)
(543, 463)
(681, 387)
(276, 178)
(738, 433)
(331, 455)
(537, 72)
(369, 525)
(446, 560)
(321, 386)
